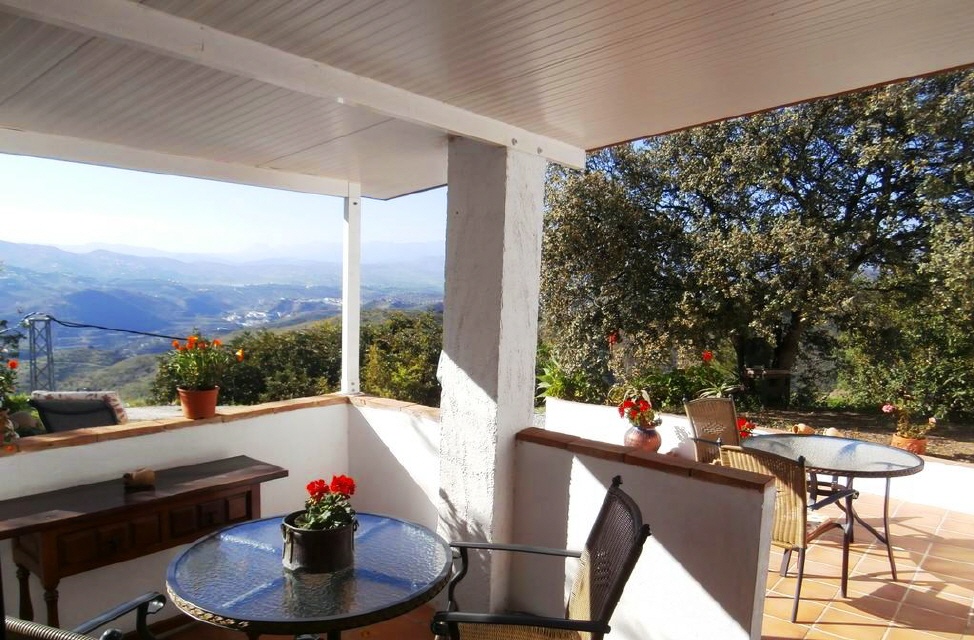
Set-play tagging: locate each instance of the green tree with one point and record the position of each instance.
(756, 230)
(402, 353)
(912, 341)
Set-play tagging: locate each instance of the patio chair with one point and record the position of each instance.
(792, 527)
(713, 422)
(611, 551)
(143, 606)
(67, 410)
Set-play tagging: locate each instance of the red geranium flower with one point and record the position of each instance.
(317, 489)
(343, 485)
(707, 355)
(745, 428)
(13, 364)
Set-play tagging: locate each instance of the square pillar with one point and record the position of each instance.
(495, 205)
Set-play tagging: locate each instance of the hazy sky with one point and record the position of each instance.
(64, 203)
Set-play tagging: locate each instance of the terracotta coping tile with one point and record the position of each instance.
(538, 435)
(137, 428)
(637, 457)
(89, 435)
(601, 450)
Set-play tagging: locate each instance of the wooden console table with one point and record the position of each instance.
(79, 528)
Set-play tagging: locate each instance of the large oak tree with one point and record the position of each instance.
(760, 228)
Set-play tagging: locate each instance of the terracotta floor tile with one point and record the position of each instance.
(779, 606)
(961, 523)
(774, 629)
(938, 623)
(962, 552)
(846, 624)
(818, 634)
(812, 590)
(940, 566)
(908, 634)
(871, 606)
(940, 603)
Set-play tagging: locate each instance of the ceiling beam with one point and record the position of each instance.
(44, 145)
(176, 37)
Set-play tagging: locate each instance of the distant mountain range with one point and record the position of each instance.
(171, 294)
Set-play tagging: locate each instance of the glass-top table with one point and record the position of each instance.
(235, 579)
(848, 458)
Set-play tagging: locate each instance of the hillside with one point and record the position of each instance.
(120, 297)
(172, 297)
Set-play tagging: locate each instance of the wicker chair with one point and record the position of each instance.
(714, 423)
(611, 551)
(792, 528)
(144, 605)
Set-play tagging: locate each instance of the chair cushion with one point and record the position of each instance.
(66, 410)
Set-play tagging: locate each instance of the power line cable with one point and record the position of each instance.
(81, 325)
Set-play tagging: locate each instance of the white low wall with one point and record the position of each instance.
(602, 423)
(309, 442)
(702, 573)
(393, 454)
(936, 485)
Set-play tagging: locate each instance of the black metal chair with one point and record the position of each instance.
(611, 551)
(143, 606)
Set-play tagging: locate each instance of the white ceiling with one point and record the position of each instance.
(313, 94)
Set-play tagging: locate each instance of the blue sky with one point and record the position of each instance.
(64, 203)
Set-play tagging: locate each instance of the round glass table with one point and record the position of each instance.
(847, 458)
(234, 578)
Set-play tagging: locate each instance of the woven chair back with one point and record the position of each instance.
(712, 420)
(611, 551)
(790, 505)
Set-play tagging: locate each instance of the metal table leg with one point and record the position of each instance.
(882, 537)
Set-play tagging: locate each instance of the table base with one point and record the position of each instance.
(882, 537)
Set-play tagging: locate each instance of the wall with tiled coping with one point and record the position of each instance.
(703, 571)
(396, 444)
(310, 437)
(935, 485)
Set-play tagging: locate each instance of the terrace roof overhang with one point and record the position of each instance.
(313, 95)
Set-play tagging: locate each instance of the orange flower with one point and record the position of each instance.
(240, 355)
(191, 341)
(175, 344)
(216, 342)
(13, 364)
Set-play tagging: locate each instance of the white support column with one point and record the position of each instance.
(351, 288)
(490, 322)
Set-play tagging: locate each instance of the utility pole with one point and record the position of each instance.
(41, 352)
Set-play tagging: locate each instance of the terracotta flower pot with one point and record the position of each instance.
(913, 445)
(198, 404)
(645, 438)
(317, 550)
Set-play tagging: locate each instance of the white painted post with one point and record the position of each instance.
(351, 288)
(490, 322)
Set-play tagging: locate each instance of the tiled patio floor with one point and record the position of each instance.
(933, 597)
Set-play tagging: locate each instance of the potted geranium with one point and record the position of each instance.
(320, 537)
(909, 435)
(637, 408)
(197, 367)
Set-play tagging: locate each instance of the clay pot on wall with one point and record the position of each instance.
(198, 404)
(913, 445)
